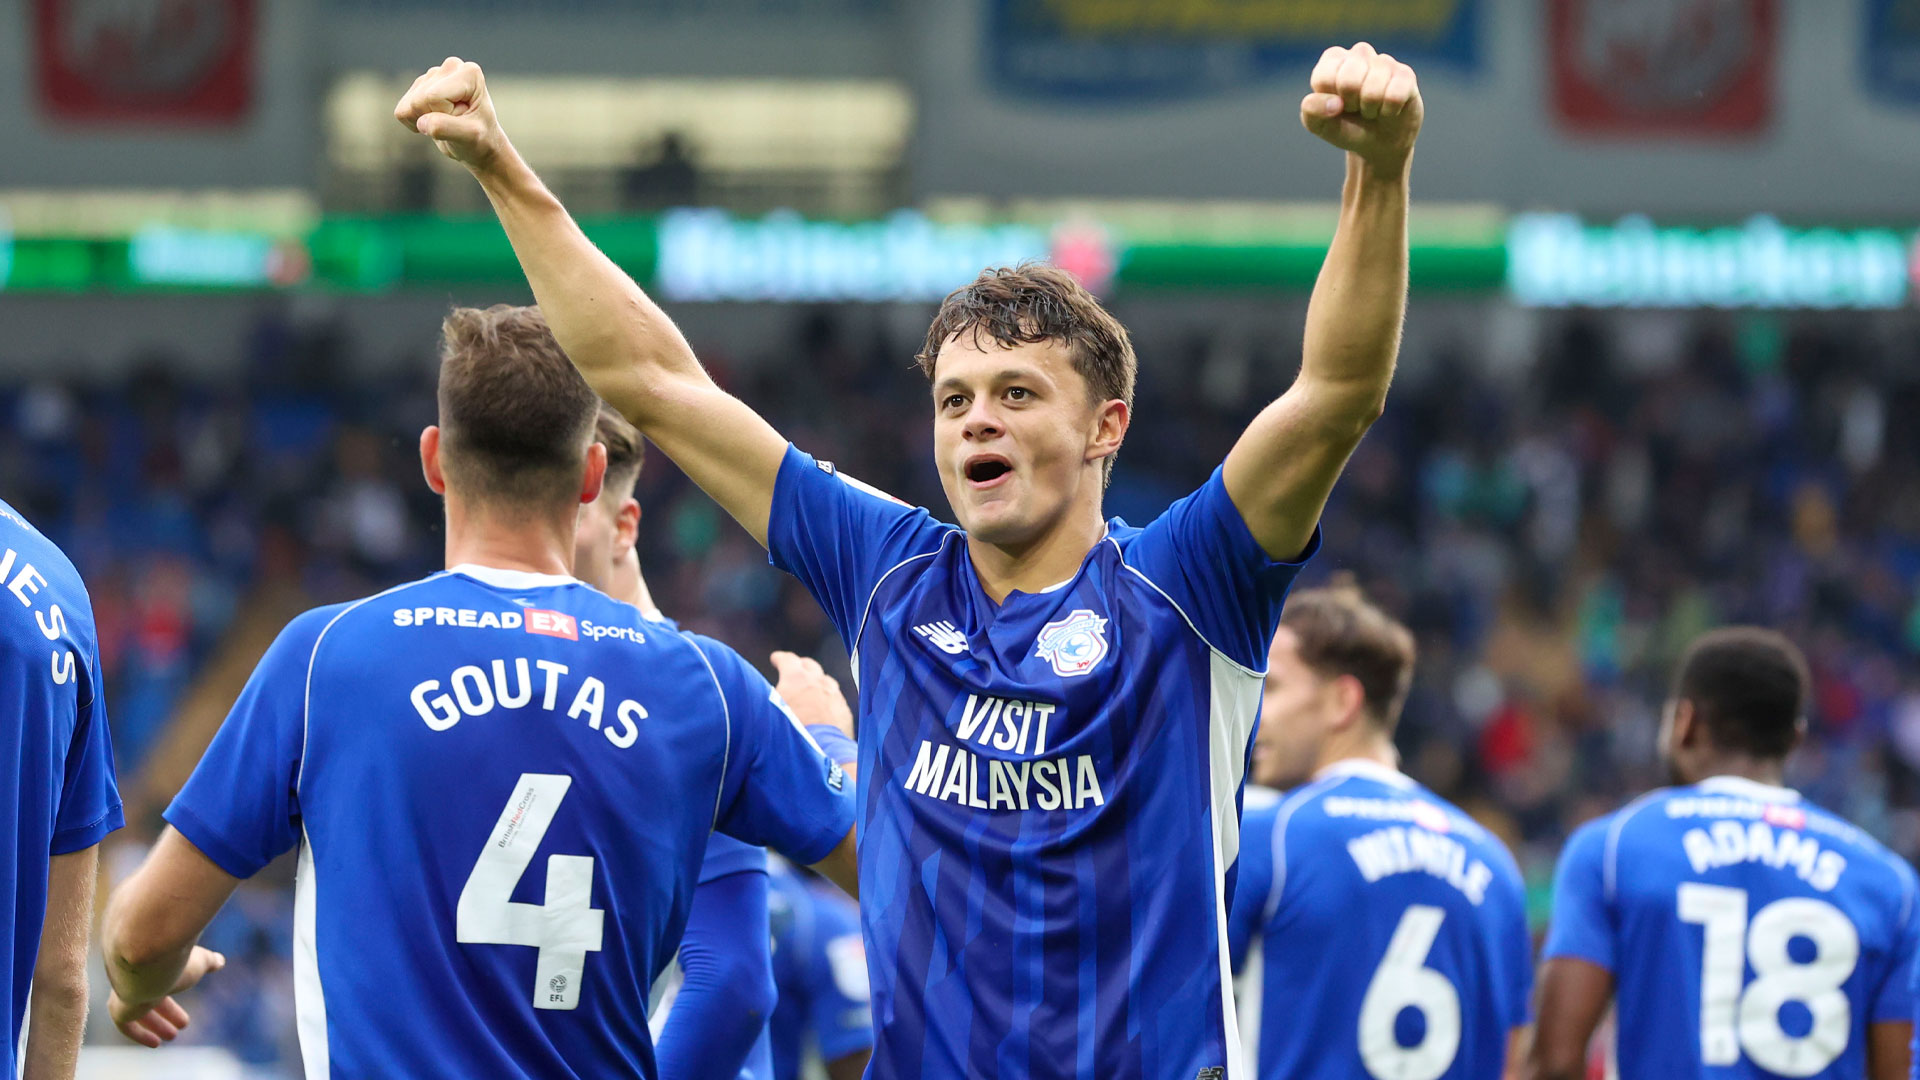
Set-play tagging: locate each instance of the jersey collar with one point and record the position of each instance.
(1371, 770)
(510, 579)
(1750, 789)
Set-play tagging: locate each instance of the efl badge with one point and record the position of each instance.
(1073, 645)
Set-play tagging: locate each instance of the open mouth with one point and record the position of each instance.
(987, 469)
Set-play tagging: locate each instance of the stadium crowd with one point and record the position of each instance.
(1554, 544)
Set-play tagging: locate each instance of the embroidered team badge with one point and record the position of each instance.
(1073, 645)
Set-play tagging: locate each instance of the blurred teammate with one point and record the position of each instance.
(1392, 928)
(1739, 930)
(713, 1023)
(1055, 709)
(500, 781)
(820, 970)
(59, 799)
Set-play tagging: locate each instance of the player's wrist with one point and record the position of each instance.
(497, 165)
(1382, 170)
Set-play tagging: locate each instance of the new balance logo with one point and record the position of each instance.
(943, 636)
(1211, 1072)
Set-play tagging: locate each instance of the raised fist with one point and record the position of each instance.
(1365, 103)
(449, 104)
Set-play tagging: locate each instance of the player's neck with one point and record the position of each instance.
(1049, 560)
(1769, 771)
(1371, 747)
(629, 585)
(532, 543)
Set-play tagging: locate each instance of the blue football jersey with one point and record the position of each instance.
(1389, 931)
(725, 858)
(1749, 933)
(1049, 786)
(59, 796)
(820, 968)
(501, 786)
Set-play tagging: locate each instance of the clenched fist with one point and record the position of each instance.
(1366, 103)
(449, 104)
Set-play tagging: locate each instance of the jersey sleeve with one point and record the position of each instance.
(727, 992)
(839, 1009)
(1583, 922)
(89, 796)
(1254, 882)
(840, 536)
(780, 789)
(725, 855)
(240, 806)
(1201, 554)
(1894, 999)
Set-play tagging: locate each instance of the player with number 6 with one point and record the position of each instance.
(1382, 931)
(1739, 930)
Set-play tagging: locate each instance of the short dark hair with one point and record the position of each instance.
(1031, 303)
(514, 414)
(1748, 685)
(1339, 632)
(626, 450)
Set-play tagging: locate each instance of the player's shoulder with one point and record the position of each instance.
(32, 548)
(1893, 877)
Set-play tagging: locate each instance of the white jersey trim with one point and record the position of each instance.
(313, 657)
(726, 756)
(1748, 789)
(853, 654)
(511, 579)
(1367, 769)
(1233, 704)
(309, 998)
(1296, 799)
(1610, 865)
(1171, 602)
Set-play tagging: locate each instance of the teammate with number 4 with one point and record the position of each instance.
(1391, 929)
(1055, 708)
(500, 780)
(1740, 930)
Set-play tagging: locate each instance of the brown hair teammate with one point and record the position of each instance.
(1369, 897)
(1054, 708)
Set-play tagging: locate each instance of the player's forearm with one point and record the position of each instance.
(629, 351)
(1360, 299)
(59, 1018)
(143, 961)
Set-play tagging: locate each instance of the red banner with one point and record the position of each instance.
(145, 61)
(1663, 67)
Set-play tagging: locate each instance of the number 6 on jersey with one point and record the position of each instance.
(565, 927)
(1402, 981)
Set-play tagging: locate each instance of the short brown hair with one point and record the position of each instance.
(1748, 685)
(1031, 303)
(1341, 633)
(626, 450)
(514, 414)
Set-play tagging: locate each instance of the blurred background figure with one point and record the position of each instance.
(1661, 338)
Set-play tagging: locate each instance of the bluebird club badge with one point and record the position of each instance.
(1073, 645)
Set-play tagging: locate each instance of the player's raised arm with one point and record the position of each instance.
(1280, 472)
(630, 352)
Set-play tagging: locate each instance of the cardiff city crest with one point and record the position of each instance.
(1073, 645)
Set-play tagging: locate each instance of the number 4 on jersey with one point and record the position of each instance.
(565, 927)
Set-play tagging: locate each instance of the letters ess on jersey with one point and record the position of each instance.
(1049, 786)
